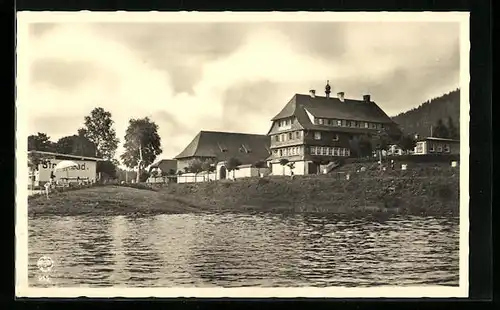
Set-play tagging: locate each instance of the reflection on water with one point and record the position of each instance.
(244, 250)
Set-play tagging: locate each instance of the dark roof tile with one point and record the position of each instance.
(322, 107)
(165, 165)
(248, 148)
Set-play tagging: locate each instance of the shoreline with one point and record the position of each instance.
(407, 193)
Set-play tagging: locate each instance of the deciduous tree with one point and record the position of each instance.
(260, 165)
(107, 167)
(365, 147)
(380, 142)
(142, 144)
(283, 163)
(99, 129)
(407, 143)
(208, 166)
(195, 166)
(75, 145)
(40, 142)
(34, 160)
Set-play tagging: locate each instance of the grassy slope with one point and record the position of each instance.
(416, 192)
(108, 200)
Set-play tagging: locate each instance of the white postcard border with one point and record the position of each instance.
(21, 224)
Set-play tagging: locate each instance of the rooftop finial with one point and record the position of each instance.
(327, 89)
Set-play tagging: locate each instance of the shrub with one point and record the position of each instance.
(263, 181)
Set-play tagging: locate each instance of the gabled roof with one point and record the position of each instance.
(248, 148)
(322, 107)
(76, 157)
(165, 165)
(438, 139)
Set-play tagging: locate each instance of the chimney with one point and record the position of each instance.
(340, 95)
(366, 98)
(327, 89)
(312, 93)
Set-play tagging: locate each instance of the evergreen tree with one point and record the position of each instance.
(452, 129)
(440, 131)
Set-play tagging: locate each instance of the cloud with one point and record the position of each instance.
(231, 77)
(64, 75)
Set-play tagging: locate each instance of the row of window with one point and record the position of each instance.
(346, 123)
(329, 151)
(433, 148)
(439, 148)
(288, 136)
(313, 150)
(317, 136)
(285, 122)
(289, 151)
(295, 135)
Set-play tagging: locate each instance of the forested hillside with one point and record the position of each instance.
(419, 120)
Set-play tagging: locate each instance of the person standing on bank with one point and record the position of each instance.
(52, 178)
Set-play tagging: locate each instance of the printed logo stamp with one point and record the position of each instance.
(44, 279)
(45, 264)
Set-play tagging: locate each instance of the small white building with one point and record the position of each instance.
(394, 150)
(86, 169)
(432, 145)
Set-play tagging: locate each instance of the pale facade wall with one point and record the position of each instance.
(420, 148)
(86, 170)
(300, 168)
(191, 178)
(244, 171)
(436, 147)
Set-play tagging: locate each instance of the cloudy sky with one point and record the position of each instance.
(227, 76)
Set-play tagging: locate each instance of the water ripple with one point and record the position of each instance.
(244, 250)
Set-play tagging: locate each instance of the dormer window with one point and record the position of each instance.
(317, 135)
(245, 148)
(285, 123)
(336, 137)
(222, 148)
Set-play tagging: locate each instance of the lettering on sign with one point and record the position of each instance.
(47, 164)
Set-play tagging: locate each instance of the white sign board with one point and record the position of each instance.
(86, 169)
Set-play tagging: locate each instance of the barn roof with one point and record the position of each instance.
(248, 148)
(323, 107)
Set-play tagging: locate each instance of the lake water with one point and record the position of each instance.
(243, 250)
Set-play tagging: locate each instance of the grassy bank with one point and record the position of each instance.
(421, 192)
